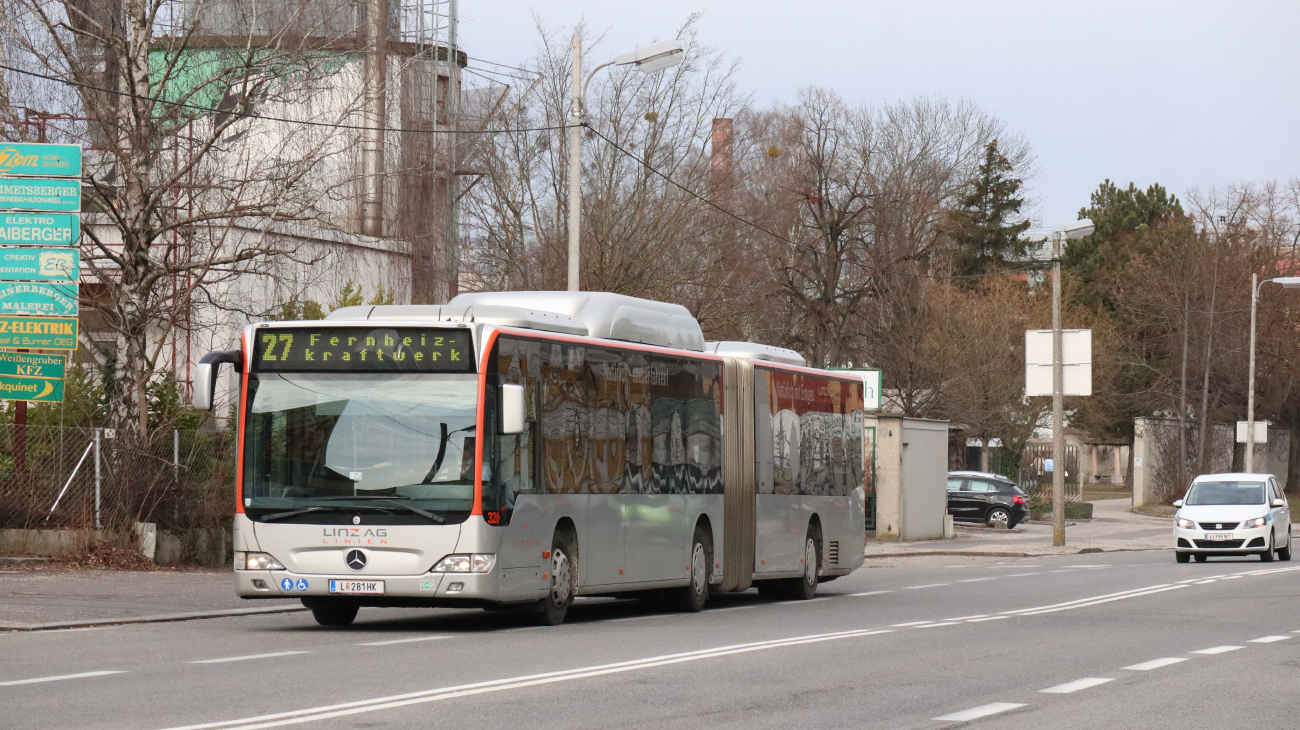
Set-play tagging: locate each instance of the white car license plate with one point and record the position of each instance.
(1218, 536)
(362, 587)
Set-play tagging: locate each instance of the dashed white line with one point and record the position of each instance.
(36, 680)
(327, 712)
(912, 623)
(937, 625)
(403, 641)
(1021, 575)
(1189, 580)
(733, 608)
(1206, 582)
(1156, 663)
(1268, 639)
(870, 593)
(805, 603)
(976, 713)
(1060, 571)
(977, 580)
(223, 660)
(1218, 649)
(967, 618)
(927, 585)
(1076, 685)
(990, 618)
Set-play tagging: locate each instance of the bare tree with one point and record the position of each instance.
(185, 185)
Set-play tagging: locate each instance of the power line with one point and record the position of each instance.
(304, 122)
(778, 236)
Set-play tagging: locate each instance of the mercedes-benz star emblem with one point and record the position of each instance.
(356, 520)
(356, 559)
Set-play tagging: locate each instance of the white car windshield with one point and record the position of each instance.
(1204, 493)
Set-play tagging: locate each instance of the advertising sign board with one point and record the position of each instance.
(49, 229)
(39, 264)
(31, 365)
(45, 160)
(23, 297)
(41, 333)
(40, 194)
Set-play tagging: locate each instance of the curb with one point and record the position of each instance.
(166, 618)
(997, 554)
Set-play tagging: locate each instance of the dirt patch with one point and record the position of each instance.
(1156, 510)
(100, 555)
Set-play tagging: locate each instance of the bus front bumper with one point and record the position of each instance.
(440, 588)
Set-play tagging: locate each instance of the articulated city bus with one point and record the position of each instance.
(519, 449)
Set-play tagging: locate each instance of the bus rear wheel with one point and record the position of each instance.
(691, 597)
(332, 611)
(804, 588)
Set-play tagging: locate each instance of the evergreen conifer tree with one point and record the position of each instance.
(986, 228)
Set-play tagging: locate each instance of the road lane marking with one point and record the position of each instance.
(967, 618)
(327, 712)
(1021, 575)
(1218, 649)
(223, 660)
(990, 618)
(937, 625)
(1060, 571)
(1231, 577)
(976, 713)
(733, 608)
(1096, 600)
(37, 680)
(1156, 663)
(631, 618)
(403, 641)
(870, 593)
(805, 603)
(977, 580)
(927, 585)
(1190, 580)
(1076, 685)
(912, 623)
(1268, 639)
(1206, 582)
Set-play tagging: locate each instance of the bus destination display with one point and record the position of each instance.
(342, 349)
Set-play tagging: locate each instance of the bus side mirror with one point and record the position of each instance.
(205, 376)
(1279, 503)
(513, 412)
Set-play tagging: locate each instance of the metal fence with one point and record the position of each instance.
(83, 478)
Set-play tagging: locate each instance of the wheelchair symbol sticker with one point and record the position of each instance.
(302, 584)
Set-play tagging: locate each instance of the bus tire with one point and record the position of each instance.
(563, 580)
(333, 612)
(804, 588)
(691, 597)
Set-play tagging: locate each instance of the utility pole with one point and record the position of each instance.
(452, 254)
(375, 118)
(575, 163)
(1058, 401)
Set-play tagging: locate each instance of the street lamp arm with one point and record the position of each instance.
(587, 83)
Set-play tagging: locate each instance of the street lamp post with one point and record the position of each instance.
(1287, 282)
(649, 59)
(1077, 229)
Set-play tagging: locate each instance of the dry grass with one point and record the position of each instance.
(1156, 510)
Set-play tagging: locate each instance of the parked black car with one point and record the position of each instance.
(974, 496)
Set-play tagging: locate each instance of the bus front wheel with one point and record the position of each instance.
(332, 611)
(559, 595)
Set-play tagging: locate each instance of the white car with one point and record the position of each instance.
(1233, 514)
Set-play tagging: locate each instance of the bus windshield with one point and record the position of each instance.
(387, 442)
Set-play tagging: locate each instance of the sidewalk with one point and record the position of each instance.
(1113, 527)
(47, 599)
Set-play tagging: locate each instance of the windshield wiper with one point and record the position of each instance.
(408, 506)
(318, 508)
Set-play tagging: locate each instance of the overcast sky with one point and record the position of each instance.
(1190, 93)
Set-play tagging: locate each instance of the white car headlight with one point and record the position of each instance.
(1257, 522)
(261, 561)
(1186, 524)
(475, 563)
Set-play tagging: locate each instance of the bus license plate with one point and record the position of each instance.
(358, 587)
(1218, 536)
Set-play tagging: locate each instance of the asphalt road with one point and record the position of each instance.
(1116, 640)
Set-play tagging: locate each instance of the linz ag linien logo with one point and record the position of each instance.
(354, 536)
(356, 559)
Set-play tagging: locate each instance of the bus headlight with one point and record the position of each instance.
(261, 561)
(475, 563)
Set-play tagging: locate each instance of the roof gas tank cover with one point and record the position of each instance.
(604, 315)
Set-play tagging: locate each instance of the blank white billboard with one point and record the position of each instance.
(1076, 360)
